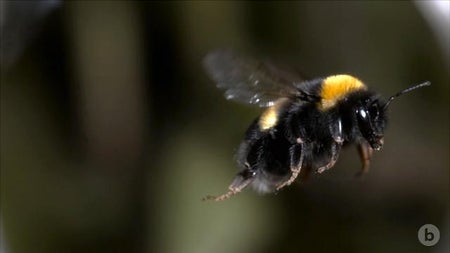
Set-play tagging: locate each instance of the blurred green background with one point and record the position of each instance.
(111, 132)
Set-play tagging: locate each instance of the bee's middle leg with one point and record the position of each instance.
(335, 150)
(336, 134)
(296, 154)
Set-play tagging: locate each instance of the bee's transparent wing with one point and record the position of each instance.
(248, 81)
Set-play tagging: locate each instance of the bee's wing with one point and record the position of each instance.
(249, 81)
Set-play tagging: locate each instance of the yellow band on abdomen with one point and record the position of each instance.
(269, 118)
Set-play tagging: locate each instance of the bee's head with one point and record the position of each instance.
(371, 117)
(371, 114)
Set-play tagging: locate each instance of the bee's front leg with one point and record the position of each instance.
(365, 153)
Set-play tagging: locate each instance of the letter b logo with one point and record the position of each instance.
(428, 235)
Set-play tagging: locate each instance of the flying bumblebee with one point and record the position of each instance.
(305, 125)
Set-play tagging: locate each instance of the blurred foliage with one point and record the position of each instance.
(111, 133)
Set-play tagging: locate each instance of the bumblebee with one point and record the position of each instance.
(305, 123)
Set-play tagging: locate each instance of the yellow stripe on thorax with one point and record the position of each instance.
(334, 88)
(269, 118)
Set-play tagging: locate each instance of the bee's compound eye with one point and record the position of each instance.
(362, 113)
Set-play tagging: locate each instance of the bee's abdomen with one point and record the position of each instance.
(271, 116)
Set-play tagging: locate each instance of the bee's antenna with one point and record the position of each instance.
(427, 83)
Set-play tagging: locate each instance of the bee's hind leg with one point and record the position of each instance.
(242, 180)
